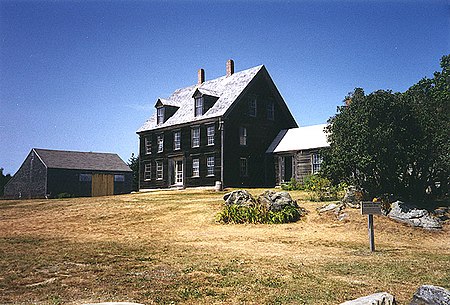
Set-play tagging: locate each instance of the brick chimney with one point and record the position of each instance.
(230, 67)
(201, 76)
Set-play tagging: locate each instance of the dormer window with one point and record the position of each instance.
(199, 106)
(160, 115)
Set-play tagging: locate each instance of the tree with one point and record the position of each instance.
(133, 163)
(3, 180)
(394, 143)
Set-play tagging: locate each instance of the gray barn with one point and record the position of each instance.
(48, 173)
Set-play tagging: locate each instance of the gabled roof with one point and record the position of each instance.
(81, 160)
(302, 138)
(226, 88)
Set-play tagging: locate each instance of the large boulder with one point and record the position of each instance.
(239, 197)
(431, 295)
(403, 212)
(276, 201)
(380, 298)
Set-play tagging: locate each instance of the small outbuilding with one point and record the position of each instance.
(297, 152)
(49, 173)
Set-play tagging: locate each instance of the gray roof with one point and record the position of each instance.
(81, 160)
(226, 88)
(301, 138)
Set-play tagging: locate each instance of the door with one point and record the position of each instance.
(102, 185)
(179, 172)
(176, 172)
(287, 168)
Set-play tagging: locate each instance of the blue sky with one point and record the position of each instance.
(84, 75)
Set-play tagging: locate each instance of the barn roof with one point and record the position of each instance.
(63, 159)
(226, 88)
(301, 138)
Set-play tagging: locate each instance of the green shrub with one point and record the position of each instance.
(292, 185)
(321, 189)
(257, 213)
(63, 195)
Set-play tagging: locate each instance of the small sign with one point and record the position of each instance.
(370, 208)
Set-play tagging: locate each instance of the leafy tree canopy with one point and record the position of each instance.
(395, 143)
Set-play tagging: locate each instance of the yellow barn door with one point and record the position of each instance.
(102, 185)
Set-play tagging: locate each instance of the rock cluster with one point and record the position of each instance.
(425, 295)
(273, 201)
(403, 212)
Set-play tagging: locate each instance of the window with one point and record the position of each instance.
(270, 110)
(210, 130)
(160, 141)
(195, 167)
(147, 171)
(243, 136)
(210, 165)
(316, 161)
(252, 106)
(148, 145)
(198, 106)
(160, 115)
(119, 178)
(159, 170)
(195, 135)
(243, 167)
(176, 140)
(85, 177)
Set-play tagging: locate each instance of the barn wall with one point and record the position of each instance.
(301, 163)
(68, 181)
(29, 181)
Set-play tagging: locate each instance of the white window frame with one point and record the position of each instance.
(159, 115)
(316, 161)
(195, 136)
(210, 134)
(199, 105)
(252, 106)
(147, 171)
(243, 136)
(210, 160)
(177, 140)
(159, 170)
(270, 110)
(196, 167)
(148, 145)
(243, 167)
(160, 142)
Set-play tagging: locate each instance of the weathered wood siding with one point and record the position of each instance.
(30, 181)
(260, 133)
(102, 185)
(301, 165)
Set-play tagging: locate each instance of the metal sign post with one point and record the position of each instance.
(369, 209)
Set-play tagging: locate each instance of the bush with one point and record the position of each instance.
(63, 195)
(321, 189)
(292, 185)
(257, 213)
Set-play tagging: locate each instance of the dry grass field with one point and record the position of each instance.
(166, 248)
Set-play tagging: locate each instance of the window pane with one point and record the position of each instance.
(148, 145)
(195, 132)
(316, 162)
(243, 167)
(160, 115)
(199, 106)
(86, 177)
(210, 134)
(177, 140)
(270, 110)
(210, 166)
(160, 143)
(119, 178)
(147, 171)
(252, 106)
(243, 136)
(159, 170)
(195, 167)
